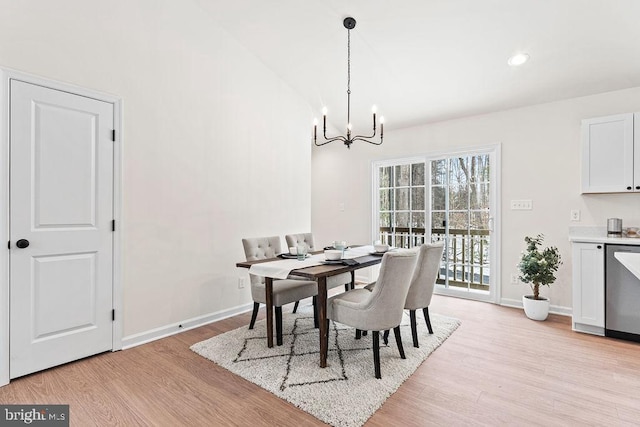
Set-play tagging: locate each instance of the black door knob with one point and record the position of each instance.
(22, 243)
(629, 188)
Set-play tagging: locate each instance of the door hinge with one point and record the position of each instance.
(444, 223)
(113, 225)
(113, 135)
(9, 244)
(113, 314)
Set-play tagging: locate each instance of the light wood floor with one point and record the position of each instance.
(497, 368)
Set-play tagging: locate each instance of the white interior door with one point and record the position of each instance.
(61, 203)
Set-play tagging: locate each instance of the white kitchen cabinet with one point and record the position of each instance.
(611, 154)
(588, 287)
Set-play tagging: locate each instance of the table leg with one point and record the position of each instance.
(322, 318)
(268, 284)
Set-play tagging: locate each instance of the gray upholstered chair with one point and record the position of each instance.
(422, 285)
(284, 291)
(346, 279)
(381, 308)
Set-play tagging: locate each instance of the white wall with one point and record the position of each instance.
(540, 161)
(212, 142)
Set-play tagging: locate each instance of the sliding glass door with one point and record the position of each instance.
(451, 198)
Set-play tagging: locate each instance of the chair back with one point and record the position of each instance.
(293, 240)
(424, 276)
(387, 298)
(256, 248)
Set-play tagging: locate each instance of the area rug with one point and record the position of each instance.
(345, 393)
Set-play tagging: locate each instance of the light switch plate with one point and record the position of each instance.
(521, 205)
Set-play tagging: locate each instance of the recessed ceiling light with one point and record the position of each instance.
(518, 59)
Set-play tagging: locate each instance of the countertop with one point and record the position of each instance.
(598, 235)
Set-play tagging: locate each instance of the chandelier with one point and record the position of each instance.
(349, 23)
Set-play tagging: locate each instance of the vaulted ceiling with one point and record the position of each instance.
(422, 61)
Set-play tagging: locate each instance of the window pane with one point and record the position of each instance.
(386, 202)
(402, 220)
(458, 171)
(385, 176)
(402, 199)
(437, 218)
(417, 221)
(458, 222)
(385, 220)
(417, 174)
(479, 168)
(479, 196)
(458, 197)
(402, 175)
(439, 172)
(417, 199)
(438, 198)
(479, 220)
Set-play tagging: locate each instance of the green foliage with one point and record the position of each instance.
(538, 267)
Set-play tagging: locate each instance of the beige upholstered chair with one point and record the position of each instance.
(284, 291)
(381, 308)
(346, 279)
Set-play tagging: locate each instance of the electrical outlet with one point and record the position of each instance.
(575, 215)
(514, 279)
(240, 282)
(521, 205)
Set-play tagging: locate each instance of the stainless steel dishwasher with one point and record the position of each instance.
(622, 296)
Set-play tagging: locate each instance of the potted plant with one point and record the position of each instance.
(538, 267)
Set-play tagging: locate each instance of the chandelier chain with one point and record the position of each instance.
(348, 76)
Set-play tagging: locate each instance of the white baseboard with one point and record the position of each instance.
(553, 309)
(176, 328)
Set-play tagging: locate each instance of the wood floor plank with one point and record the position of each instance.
(498, 368)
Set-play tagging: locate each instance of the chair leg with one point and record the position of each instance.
(358, 334)
(376, 353)
(414, 328)
(385, 337)
(295, 306)
(315, 313)
(256, 307)
(279, 325)
(353, 279)
(426, 318)
(396, 332)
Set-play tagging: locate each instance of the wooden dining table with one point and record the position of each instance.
(318, 273)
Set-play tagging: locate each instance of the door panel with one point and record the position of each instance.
(55, 148)
(61, 201)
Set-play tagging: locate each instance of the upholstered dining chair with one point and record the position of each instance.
(381, 308)
(422, 284)
(285, 291)
(306, 239)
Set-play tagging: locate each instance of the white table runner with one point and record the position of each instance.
(281, 269)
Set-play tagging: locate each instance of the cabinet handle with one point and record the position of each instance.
(637, 187)
(599, 246)
(629, 188)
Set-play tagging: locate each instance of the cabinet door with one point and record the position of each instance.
(636, 151)
(607, 154)
(588, 285)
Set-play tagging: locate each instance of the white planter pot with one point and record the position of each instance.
(535, 309)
